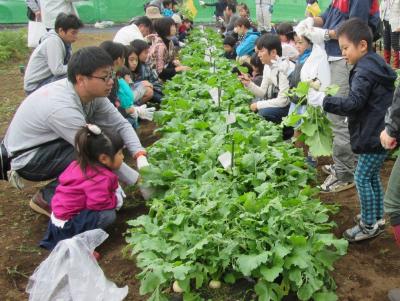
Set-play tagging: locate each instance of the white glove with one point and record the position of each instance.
(221, 20)
(315, 98)
(201, 2)
(143, 112)
(308, 22)
(120, 194)
(315, 84)
(316, 35)
(141, 162)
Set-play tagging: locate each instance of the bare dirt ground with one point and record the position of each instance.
(366, 273)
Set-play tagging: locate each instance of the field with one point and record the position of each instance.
(366, 273)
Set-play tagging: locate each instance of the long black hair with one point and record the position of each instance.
(91, 142)
(163, 28)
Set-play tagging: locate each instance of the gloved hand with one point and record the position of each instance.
(315, 84)
(141, 162)
(143, 112)
(315, 98)
(221, 20)
(307, 22)
(316, 35)
(202, 3)
(120, 194)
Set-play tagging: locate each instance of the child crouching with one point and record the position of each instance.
(88, 194)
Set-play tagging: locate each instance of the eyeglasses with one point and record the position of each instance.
(106, 78)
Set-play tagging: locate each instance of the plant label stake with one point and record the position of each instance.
(216, 94)
(219, 94)
(226, 160)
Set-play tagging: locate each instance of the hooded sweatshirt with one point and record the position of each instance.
(48, 60)
(246, 47)
(371, 94)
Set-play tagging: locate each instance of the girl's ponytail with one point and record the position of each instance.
(91, 142)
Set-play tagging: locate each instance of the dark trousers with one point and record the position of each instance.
(390, 39)
(48, 163)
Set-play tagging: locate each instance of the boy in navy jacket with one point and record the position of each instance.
(371, 92)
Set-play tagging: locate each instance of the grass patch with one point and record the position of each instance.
(13, 45)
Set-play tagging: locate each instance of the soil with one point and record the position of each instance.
(366, 273)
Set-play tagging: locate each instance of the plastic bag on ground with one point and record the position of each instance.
(71, 273)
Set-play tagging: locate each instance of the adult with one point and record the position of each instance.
(138, 29)
(246, 46)
(50, 9)
(341, 173)
(161, 53)
(50, 117)
(264, 9)
(33, 10)
(219, 7)
(49, 60)
(231, 18)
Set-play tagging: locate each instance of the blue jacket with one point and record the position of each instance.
(371, 93)
(246, 47)
(342, 10)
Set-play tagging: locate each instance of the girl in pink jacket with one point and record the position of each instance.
(88, 193)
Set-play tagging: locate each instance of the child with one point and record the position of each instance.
(286, 35)
(184, 29)
(88, 193)
(244, 12)
(128, 74)
(143, 71)
(167, 11)
(371, 92)
(229, 48)
(49, 60)
(258, 68)
(275, 103)
(121, 94)
(245, 48)
(161, 53)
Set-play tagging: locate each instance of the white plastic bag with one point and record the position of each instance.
(71, 273)
(35, 31)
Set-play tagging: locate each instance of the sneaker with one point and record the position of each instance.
(381, 222)
(332, 184)
(394, 294)
(39, 205)
(328, 169)
(360, 232)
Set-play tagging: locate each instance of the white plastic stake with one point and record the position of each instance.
(214, 95)
(230, 118)
(225, 159)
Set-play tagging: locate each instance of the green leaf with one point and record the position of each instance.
(332, 90)
(305, 292)
(325, 296)
(270, 274)
(151, 281)
(248, 263)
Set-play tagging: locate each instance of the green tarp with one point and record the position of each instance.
(14, 11)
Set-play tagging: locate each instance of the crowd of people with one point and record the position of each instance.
(82, 109)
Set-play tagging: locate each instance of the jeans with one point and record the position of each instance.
(392, 196)
(48, 163)
(106, 218)
(343, 156)
(274, 115)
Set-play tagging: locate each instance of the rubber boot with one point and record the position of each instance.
(396, 59)
(386, 56)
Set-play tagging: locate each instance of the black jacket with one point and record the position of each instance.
(392, 119)
(371, 92)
